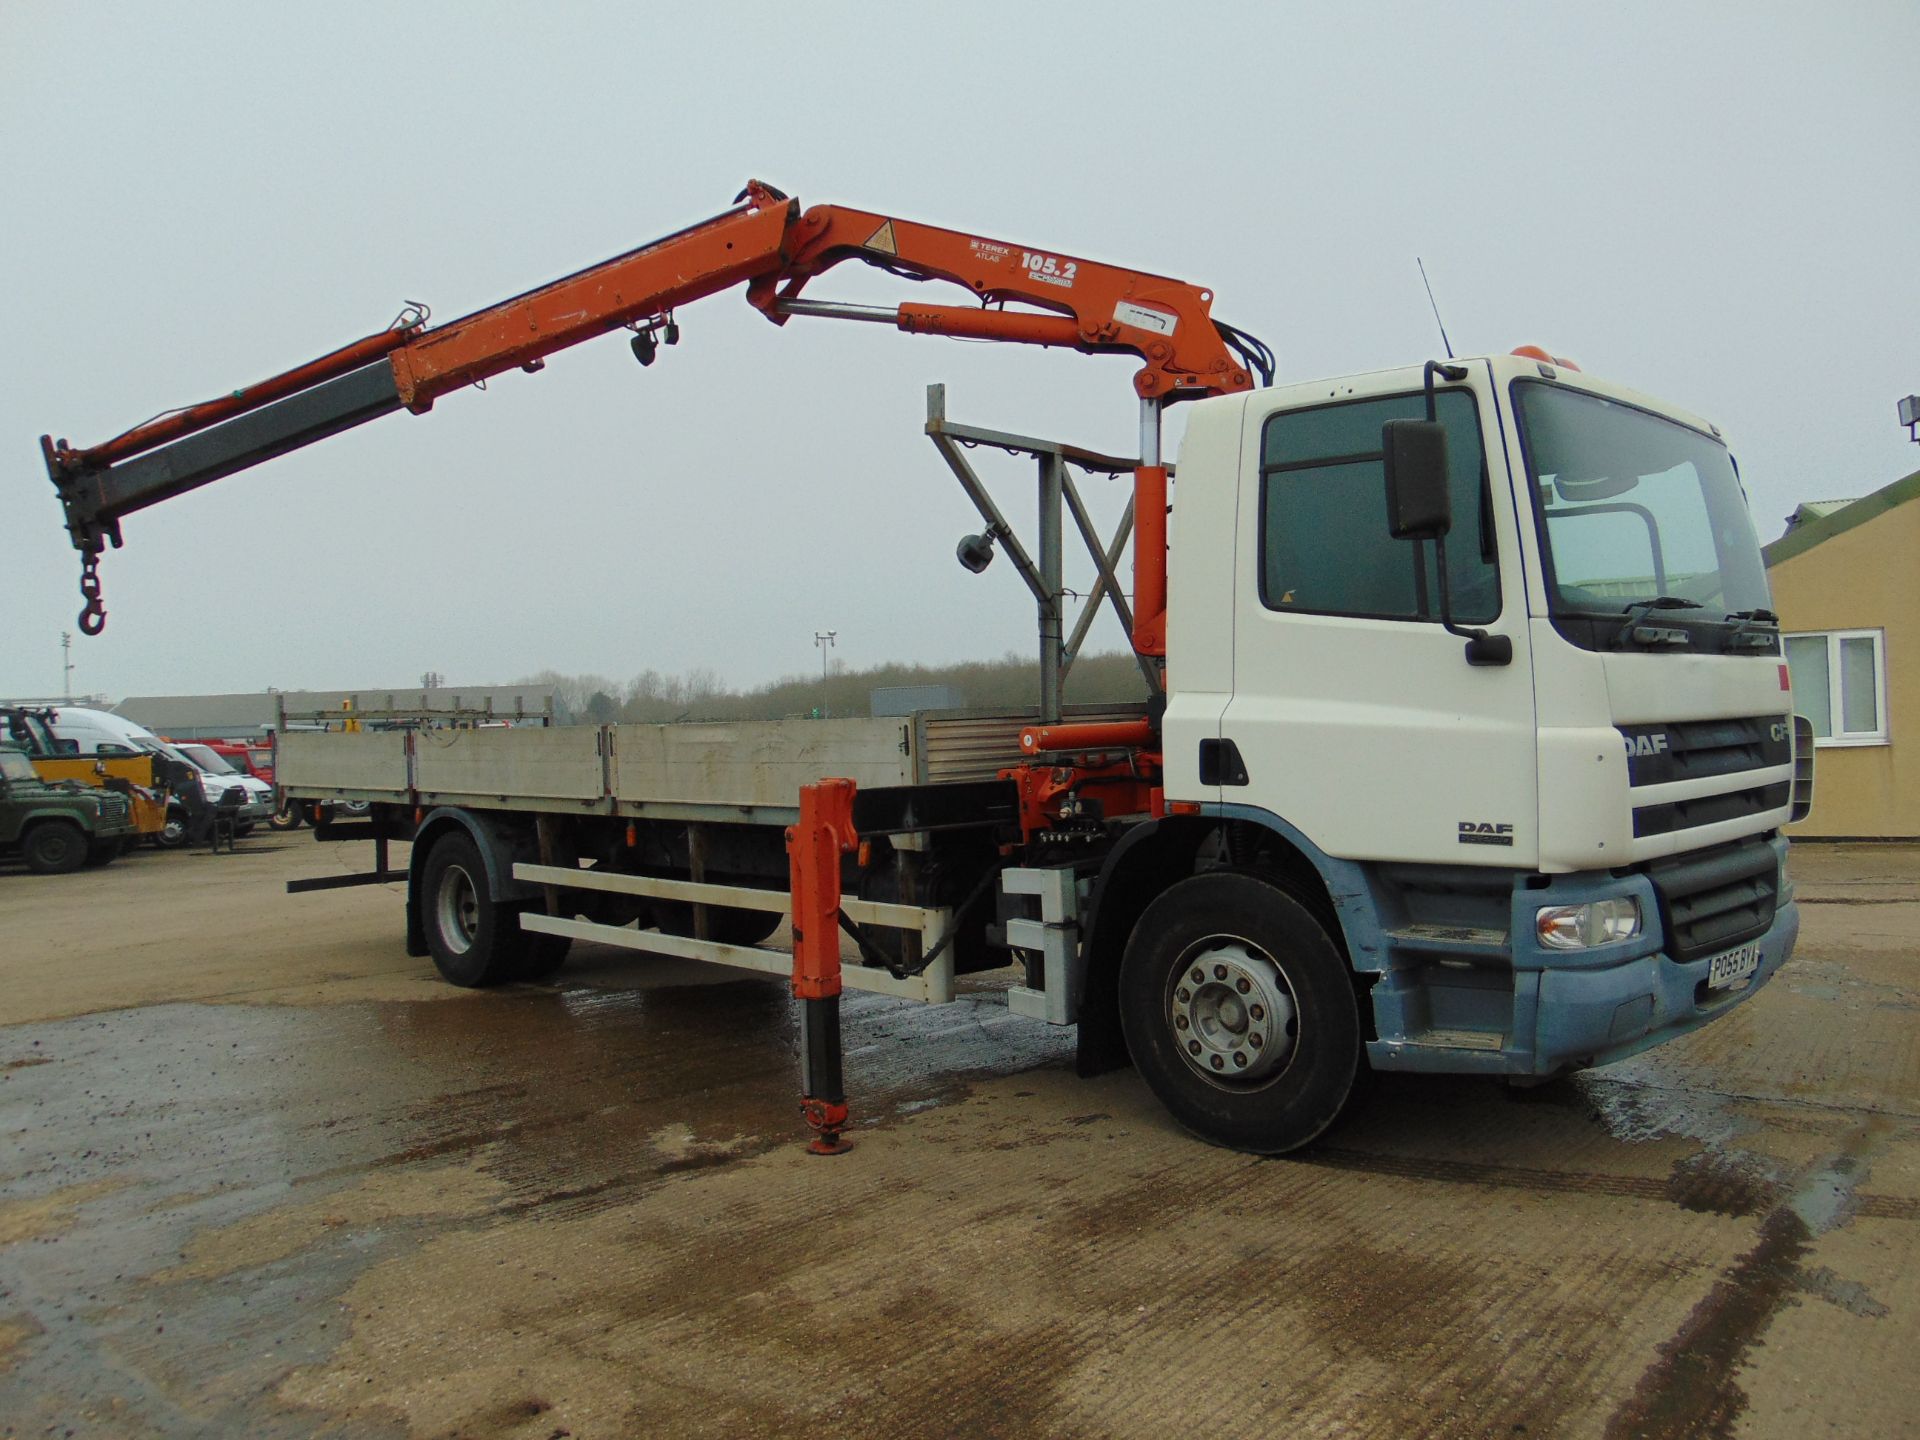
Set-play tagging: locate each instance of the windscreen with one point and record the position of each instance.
(212, 761)
(161, 747)
(1635, 508)
(30, 732)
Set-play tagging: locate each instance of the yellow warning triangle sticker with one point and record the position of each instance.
(882, 239)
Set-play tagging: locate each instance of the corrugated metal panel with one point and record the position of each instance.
(979, 744)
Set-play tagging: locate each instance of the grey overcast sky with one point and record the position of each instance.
(1715, 204)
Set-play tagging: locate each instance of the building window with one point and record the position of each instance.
(1840, 684)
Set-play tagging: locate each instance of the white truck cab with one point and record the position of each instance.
(1558, 843)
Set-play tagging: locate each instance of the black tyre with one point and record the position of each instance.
(1240, 1013)
(174, 833)
(54, 847)
(474, 939)
(727, 925)
(287, 817)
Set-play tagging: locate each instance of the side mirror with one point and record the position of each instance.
(1419, 506)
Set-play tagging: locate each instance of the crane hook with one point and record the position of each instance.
(93, 617)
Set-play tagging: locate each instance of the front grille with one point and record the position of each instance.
(1708, 809)
(1715, 899)
(1695, 749)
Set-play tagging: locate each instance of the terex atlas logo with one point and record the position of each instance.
(1485, 832)
(1638, 745)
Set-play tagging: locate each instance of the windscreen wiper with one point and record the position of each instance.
(1744, 637)
(1635, 631)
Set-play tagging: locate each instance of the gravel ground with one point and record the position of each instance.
(262, 1174)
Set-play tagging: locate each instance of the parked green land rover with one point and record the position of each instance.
(59, 827)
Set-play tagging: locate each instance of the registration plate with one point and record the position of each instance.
(1733, 968)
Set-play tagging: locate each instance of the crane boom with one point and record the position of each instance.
(765, 242)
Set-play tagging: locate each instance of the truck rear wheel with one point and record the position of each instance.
(474, 939)
(54, 847)
(1240, 1013)
(287, 817)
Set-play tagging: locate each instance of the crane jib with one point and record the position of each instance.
(96, 497)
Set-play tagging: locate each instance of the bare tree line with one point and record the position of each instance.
(700, 694)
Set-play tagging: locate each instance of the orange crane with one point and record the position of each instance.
(765, 242)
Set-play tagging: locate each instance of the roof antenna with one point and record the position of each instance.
(1436, 308)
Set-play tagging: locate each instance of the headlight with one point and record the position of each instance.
(1579, 927)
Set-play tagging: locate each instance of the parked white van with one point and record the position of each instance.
(96, 732)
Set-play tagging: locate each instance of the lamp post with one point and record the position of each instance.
(66, 666)
(824, 639)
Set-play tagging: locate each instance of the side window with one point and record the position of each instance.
(1324, 546)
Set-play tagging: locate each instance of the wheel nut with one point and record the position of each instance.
(1259, 1012)
(1184, 994)
(1240, 1060)
(1193, 1047)
(1219, 972)
(1242, 986)
(1255, 1040)
(1179, 1022)
(1199, 975)
(1218, 1063)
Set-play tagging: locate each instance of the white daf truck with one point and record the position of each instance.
(1467, 746)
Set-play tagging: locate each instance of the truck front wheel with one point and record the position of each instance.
(1240, 1013)
(54, 847)
(474, 939)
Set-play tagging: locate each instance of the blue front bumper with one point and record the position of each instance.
(1592, 1017)
(1536, 1012)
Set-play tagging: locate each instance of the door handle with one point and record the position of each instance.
(1220, 763)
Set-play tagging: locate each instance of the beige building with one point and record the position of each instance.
(1846, 584)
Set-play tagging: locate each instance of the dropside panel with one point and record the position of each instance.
(758, 762)
(312, 761)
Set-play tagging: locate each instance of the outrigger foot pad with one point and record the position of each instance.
(828, 1121)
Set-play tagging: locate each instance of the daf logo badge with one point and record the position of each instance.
(1485, 832)
(1639, 745)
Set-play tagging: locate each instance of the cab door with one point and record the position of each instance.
(1357, 718)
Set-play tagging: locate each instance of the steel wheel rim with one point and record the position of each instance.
(457, 908)
(54, 845)
(1232, 1015)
